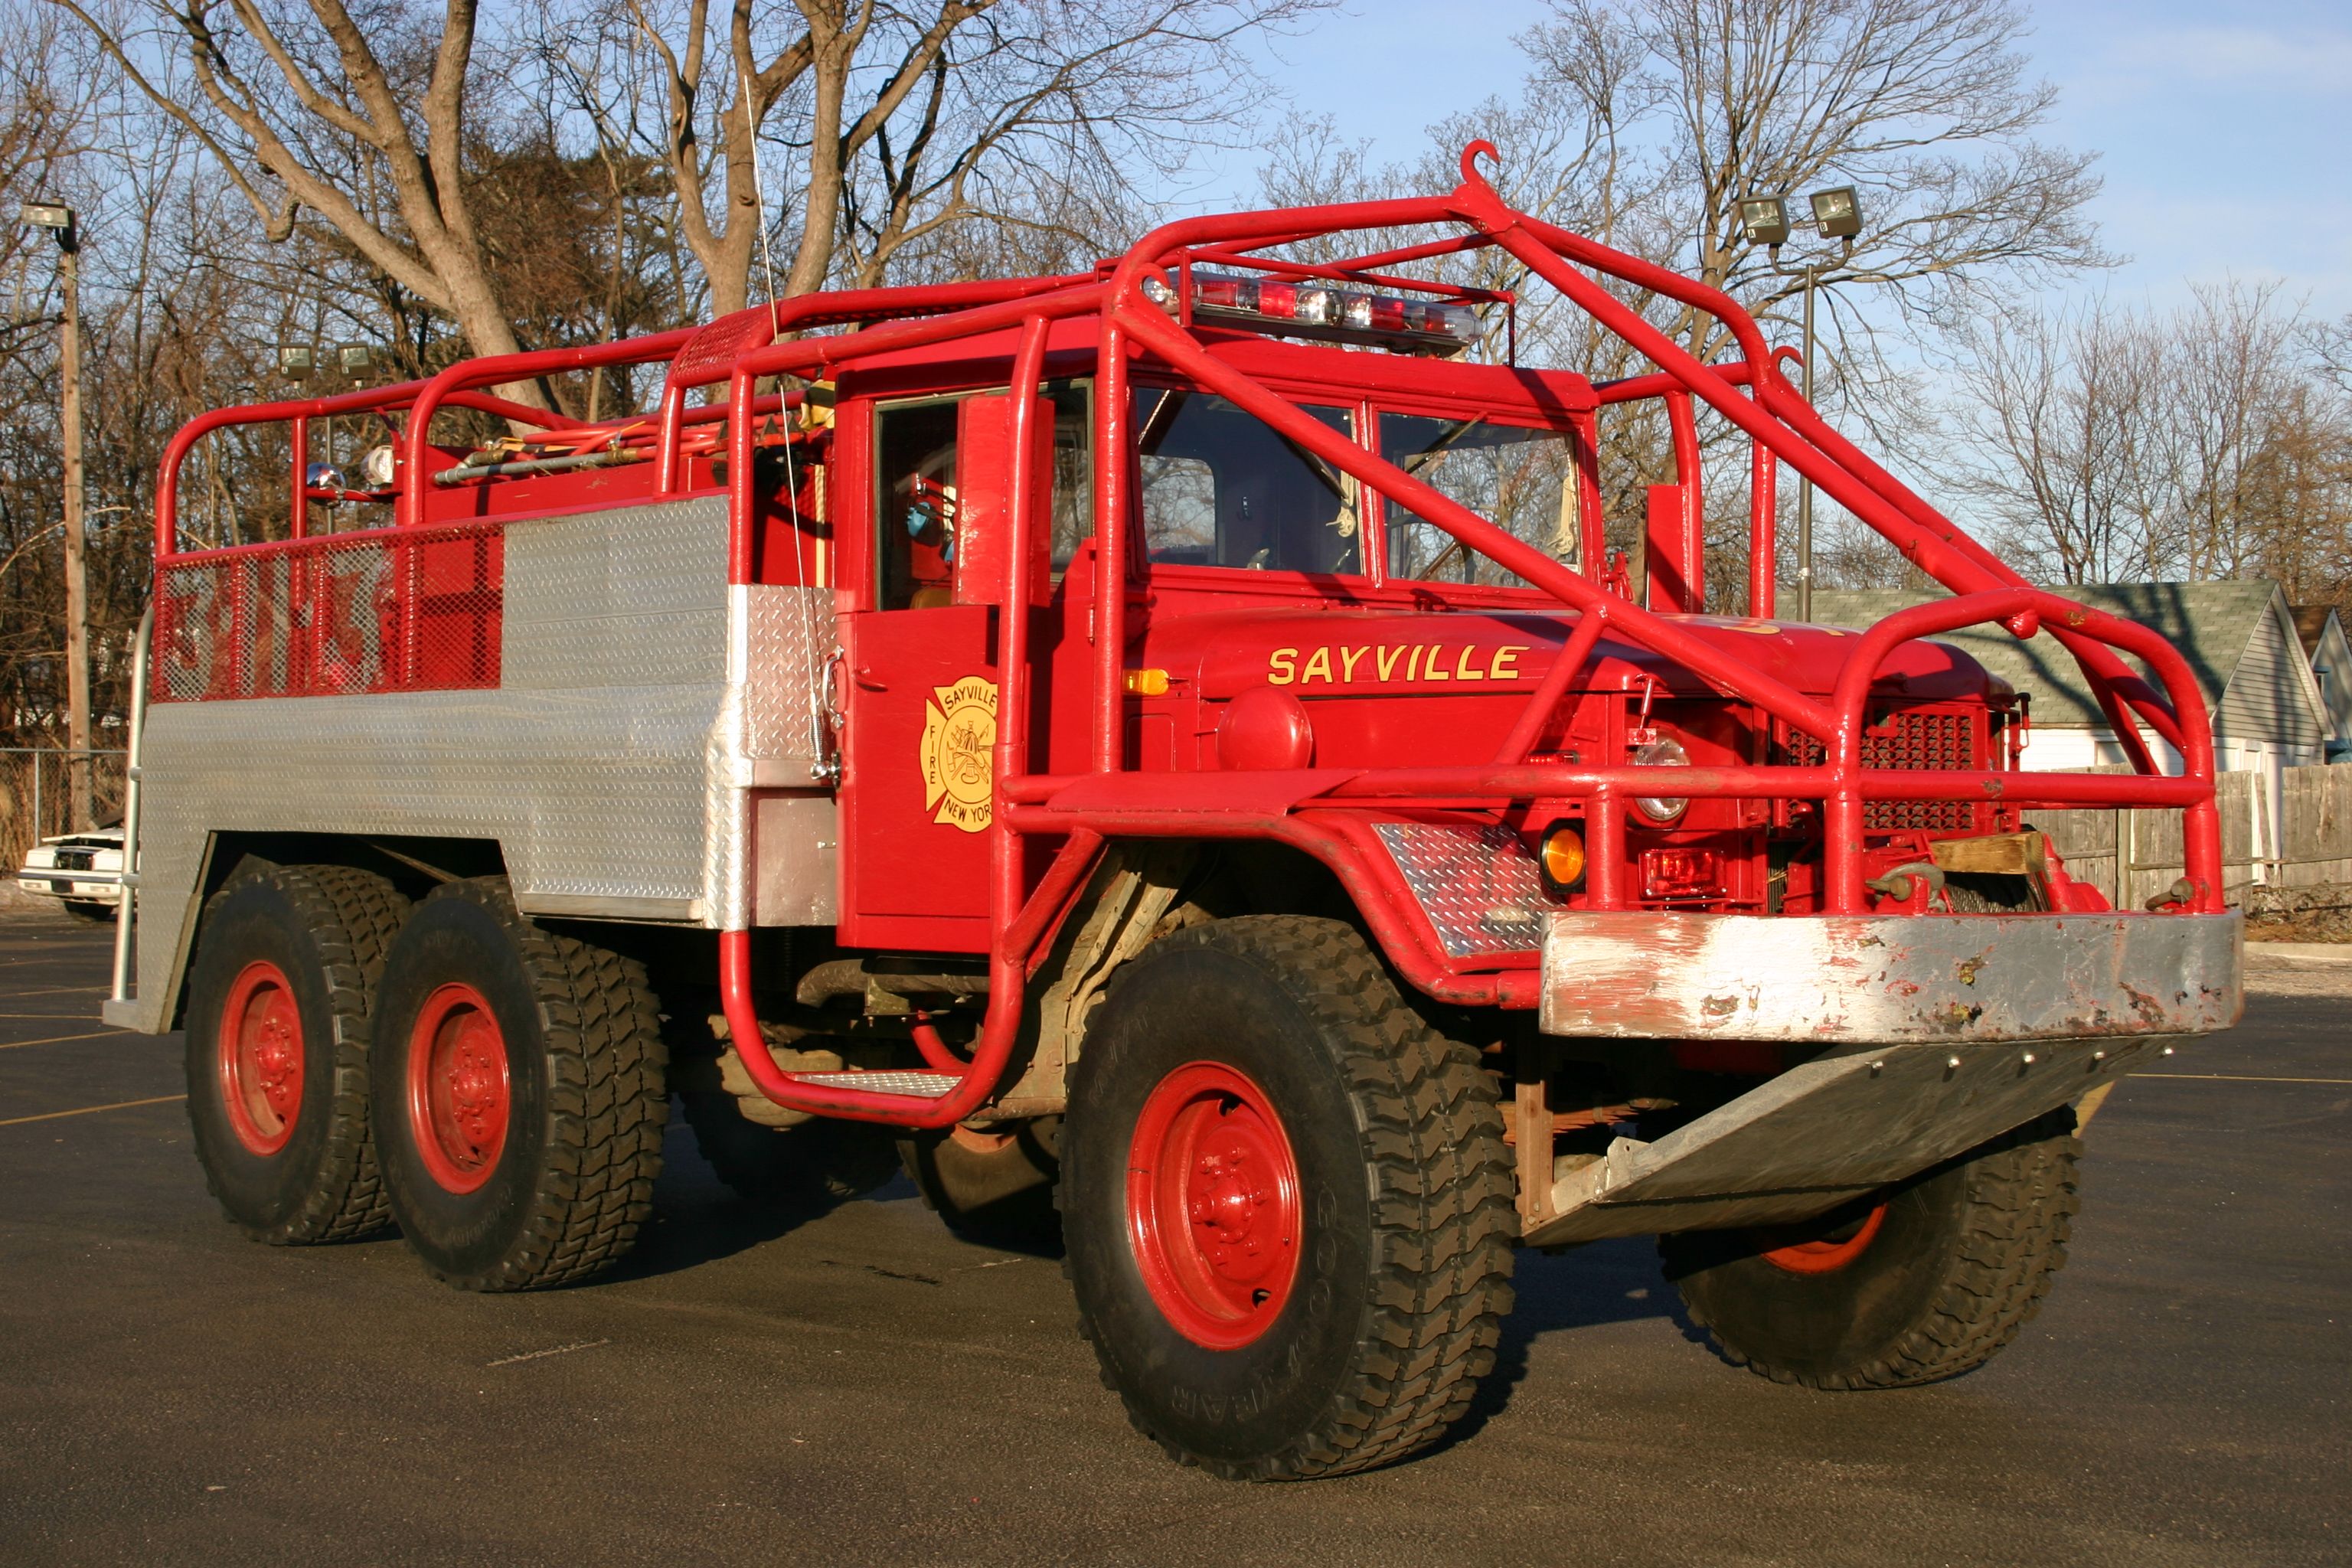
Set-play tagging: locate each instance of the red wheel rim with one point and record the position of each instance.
(260, 1058)
(458, 1097)
(1213, 1205)
(1828, 1255)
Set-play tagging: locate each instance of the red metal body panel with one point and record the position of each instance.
(1353, 700)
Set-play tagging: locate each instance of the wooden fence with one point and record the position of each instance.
(2304, 840)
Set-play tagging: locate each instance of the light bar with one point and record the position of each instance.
(1312, 308)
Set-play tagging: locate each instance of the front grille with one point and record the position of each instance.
(1905, 740)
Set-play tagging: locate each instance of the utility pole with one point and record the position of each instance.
(60, 220)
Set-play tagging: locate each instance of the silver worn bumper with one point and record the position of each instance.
(1890, 979)
(1933, 1034)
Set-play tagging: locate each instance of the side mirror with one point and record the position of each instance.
(985, 470)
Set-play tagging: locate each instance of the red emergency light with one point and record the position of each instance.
(1312, 308)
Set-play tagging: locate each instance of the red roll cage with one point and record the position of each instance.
(1327, 813)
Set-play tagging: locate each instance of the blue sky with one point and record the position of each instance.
(2225, 132)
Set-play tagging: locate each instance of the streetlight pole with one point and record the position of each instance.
(1805, 484)
(1837, 215)
(60, 220)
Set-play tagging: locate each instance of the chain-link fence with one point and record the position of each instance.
(39, 800)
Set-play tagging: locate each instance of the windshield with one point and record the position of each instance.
(1521, 480)
(1223, 489)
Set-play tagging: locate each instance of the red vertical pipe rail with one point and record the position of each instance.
(297, 516)
(1763, 530)
(1604, 850)
(673, 416)
(1691, 518)
(1593, 530)
(1113, 416)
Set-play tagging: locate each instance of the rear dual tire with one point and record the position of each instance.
(280, 997)
(518, 1080)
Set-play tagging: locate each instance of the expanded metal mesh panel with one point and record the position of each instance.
(1478, 886)
(1912, 740)
(417, 611)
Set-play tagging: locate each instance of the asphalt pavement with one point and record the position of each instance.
(860, 1387)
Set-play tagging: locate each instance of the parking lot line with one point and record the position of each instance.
(2243, 1078)
(90, 1109)
(60, 1039)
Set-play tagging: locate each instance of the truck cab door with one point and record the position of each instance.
(920, 674)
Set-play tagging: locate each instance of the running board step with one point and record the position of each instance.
(914, 1084)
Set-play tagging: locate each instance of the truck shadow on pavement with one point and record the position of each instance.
(698, 1219)
(1608, 1283)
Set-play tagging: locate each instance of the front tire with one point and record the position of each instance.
(1923, 1282)
(519, 1084)
(276, 1047)
(1286, 1203)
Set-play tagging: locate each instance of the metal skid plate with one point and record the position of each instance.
(1479, 885)
(1824, 1132)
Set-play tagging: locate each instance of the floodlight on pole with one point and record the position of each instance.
(47, 215)
(1764, 220)
(1837, 212)
(354, 360)
(296, 361)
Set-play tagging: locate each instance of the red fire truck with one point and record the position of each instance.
(1171, 742)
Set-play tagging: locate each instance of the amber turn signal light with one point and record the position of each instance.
(1561, 859)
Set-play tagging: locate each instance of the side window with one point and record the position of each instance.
(1521, 480)
(915, 489)
(1222, 488)
(914, 547)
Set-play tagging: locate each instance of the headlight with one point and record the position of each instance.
(1661, 809)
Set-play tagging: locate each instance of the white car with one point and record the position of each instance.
(48, 870)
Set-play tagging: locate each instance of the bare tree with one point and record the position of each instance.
(2107, 443)
(2061, 419)
(898, 122)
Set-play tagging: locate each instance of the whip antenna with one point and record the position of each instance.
(812, 667)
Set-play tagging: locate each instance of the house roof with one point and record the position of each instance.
(2311, 624)
(2212, 623)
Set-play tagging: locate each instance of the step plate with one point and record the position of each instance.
(914, 1084)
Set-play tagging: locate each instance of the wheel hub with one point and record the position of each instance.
(260, 1058)
(459, 1094)
(1212, 1204)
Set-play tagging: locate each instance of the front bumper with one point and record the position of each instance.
(1828, 980)
(1932, 1034)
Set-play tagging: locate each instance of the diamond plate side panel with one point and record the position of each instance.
(635, 597)
(1478, 886)
(790, 635)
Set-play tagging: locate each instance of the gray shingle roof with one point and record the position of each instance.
(2210, 622)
